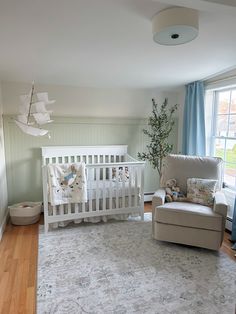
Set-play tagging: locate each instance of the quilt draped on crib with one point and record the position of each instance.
(67, 183)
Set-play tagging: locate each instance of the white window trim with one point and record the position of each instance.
(213, 126)
(210, 89)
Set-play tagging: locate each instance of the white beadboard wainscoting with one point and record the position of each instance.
(23, 152)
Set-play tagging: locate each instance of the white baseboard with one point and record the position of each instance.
(148, 197)
(228, 225)
(3, 224)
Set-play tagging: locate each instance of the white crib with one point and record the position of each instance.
(107, 195)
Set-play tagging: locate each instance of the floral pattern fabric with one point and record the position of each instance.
(201, 191)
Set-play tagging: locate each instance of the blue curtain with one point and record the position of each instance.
(233, 235)
(194, 120)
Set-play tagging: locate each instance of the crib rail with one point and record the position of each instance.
(88, 154)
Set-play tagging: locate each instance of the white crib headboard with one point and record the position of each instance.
(89, 154)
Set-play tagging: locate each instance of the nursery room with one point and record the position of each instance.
(117, 156)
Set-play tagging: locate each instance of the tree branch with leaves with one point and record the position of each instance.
(160, 124)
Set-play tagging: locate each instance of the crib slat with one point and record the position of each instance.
(61, 211)
(83, 207)
(69, 208)
(117, 187)
(76, 208)
(110, 187)
(97, 188)
(90, 194)
(123, 187)
(104, 188)
(130, 186)
(136, 187)
(54, 210)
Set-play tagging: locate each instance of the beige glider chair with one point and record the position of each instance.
(186, 222)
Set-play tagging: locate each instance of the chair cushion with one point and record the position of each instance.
(182, 167)
(188, 215)
(201, 191)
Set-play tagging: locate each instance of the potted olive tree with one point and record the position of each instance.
(160, 124)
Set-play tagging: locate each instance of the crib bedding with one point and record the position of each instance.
(67, 183)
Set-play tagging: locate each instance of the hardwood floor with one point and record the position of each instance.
(18, 267)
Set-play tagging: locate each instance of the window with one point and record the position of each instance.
(223, 143)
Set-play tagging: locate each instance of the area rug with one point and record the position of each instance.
(117, 267)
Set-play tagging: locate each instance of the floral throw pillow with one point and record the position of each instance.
(201, 191)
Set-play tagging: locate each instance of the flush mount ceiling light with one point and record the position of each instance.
(175, 26)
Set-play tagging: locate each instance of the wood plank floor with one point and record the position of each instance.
(18, 267)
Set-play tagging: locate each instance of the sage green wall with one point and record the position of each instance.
(23, 151)
(3, 181)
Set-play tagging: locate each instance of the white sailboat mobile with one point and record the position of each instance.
(33, 113)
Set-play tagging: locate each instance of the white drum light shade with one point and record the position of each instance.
(175, 26)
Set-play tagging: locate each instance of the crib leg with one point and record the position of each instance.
(142, 216)
(46, 226)
(142, 212)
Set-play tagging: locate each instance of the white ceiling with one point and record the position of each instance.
(108, 43)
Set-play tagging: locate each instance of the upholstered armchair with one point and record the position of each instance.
(188, 222)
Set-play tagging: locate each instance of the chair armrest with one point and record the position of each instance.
(221, 207)
(220, 204)
(158, 198)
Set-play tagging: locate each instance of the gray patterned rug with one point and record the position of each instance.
(116, 267)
